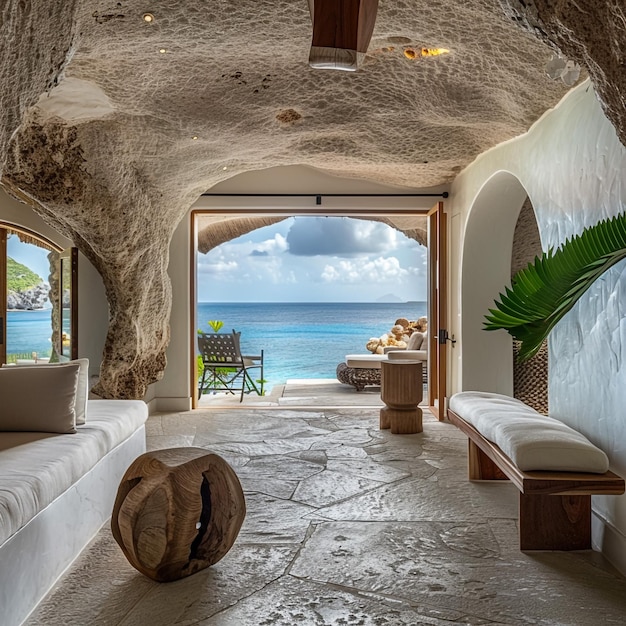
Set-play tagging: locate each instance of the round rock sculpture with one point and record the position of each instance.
(177, 511)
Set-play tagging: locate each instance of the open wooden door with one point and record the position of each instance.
(3, 296)
(437, 310)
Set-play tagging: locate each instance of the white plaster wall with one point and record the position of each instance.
(93, 315)
(172, 392)
(574, 169)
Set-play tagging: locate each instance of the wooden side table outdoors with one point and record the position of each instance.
(401, 391)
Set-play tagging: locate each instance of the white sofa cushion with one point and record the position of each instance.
(531, 440)
(35, 468)
(40, 398)
(82, 389)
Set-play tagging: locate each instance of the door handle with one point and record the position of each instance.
(443, 337)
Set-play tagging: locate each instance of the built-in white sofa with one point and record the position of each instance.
(56, 492)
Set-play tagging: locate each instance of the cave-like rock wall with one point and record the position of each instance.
(37, 39)
(151, 114)
(590, 32)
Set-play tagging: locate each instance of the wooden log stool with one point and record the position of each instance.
(401, 390)
(177, 511)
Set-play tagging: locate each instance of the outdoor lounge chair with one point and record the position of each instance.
(225, 368)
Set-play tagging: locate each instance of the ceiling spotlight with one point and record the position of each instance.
(433, 52)
(225, 168)
(148, 17)
(195, 137)
(162, 50)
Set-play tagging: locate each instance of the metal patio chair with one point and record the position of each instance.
(225, 368)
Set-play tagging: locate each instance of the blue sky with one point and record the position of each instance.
(314, 259)
(33, 257)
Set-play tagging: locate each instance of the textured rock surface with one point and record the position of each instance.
(590, 32)
(37, 39)
(151, 114)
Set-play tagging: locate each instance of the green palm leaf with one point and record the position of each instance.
(542, 293)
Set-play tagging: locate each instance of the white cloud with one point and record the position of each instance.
(375, 271)
(272, 246)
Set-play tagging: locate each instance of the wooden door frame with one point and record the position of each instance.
(260, 211)
(16, 229)
(437, 310)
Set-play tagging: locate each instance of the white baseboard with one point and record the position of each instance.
(609, 540)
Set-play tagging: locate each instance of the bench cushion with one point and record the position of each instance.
(35, 468)
(531, 440)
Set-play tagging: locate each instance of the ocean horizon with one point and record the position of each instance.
(305, 339)
(298, 339)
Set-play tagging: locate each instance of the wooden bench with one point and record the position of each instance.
(554, 507)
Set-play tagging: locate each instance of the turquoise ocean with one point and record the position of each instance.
(29, 331)
(305, 339)
(299, 339)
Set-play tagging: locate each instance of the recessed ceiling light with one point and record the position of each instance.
(148, 17)
(224, 168)
(162, 50)
(195, 137)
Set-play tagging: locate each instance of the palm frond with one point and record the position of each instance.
(543, 292)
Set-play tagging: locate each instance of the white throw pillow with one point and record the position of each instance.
(39, 398)
(82, 391)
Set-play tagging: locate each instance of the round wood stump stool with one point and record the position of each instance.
(401, 391)
(177, 511)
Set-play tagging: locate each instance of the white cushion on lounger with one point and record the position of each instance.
(531, 440)
(369, 361)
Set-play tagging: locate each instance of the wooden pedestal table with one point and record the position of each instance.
(401, 390)
(177, 511)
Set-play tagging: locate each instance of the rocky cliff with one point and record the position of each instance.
(25, 289)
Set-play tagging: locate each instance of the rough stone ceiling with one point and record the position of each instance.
(146, 116)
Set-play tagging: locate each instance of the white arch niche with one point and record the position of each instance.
(487, 362)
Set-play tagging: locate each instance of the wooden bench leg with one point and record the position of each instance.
(481, 467)
(554, 522)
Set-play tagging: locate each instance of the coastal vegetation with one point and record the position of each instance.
(20, 278)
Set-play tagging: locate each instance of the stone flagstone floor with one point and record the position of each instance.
(346, 525)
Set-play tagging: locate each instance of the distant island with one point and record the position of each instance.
(389, 297)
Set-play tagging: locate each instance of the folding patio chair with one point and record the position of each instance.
(225, 368)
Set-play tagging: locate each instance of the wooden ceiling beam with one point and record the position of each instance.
(342, 30)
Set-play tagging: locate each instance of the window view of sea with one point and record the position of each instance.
(305, 340)
(28, 332)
